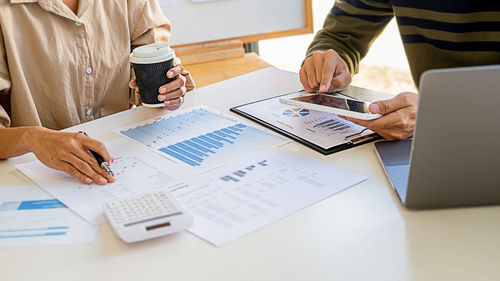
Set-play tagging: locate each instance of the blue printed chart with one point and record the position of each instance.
(200, 137)
(29, 216)
(158, 132)
(31, 231)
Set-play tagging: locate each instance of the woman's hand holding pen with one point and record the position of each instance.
(68, 152)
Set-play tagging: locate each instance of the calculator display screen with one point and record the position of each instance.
(165, 224)
(153, 219)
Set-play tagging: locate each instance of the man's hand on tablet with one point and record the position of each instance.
(398, 120)
(324, 72)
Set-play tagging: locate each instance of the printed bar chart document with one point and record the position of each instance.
(31, 217)
(200, 137)
(137, 171)
(256, 190)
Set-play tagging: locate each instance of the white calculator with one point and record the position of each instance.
(147, 216)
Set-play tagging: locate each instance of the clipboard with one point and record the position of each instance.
(321, 131)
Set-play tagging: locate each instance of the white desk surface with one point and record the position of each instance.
(362, 233)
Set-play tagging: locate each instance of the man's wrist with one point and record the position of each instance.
(308, 55)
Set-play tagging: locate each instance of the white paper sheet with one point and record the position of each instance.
(257, 190)
(137, 170)
(29, 217)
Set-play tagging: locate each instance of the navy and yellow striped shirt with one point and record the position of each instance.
(435, 33)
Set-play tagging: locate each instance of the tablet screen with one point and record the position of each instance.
(336, 102)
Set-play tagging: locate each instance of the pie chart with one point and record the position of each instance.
(296, 112)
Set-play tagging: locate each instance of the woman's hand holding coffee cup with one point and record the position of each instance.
(172, 93)
(161, 79)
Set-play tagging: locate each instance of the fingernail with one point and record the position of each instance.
(322, 88)
(101, 180)
(374, 108)
(163, 90)
(161, 98)
(170, 74)
(88, 180)
(167, 102)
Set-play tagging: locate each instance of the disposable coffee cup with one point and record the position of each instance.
(151, 63)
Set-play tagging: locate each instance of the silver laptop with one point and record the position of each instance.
(454, 158)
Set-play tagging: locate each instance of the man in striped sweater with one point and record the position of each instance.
(435, 34)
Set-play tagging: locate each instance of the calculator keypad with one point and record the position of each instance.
(141, 207)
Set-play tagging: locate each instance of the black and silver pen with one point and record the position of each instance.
(100, 160)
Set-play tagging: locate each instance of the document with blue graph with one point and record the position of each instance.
(31, 217)
(200, 137)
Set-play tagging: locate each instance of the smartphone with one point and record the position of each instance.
(333, 104)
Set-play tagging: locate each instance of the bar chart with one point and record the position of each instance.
(333, 124)
(167, 129)
(201, 138)
(243, 172)
(220, 145)
(30, 217)
(36, 227)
